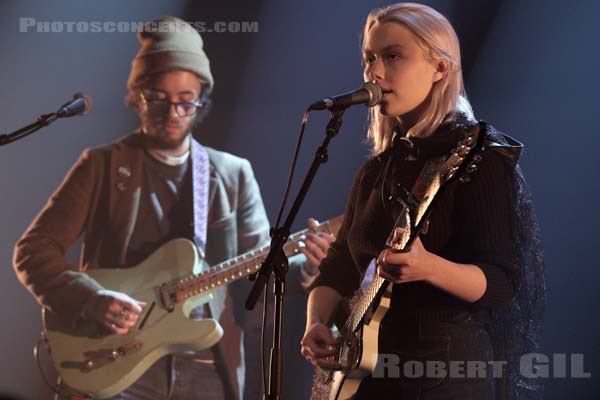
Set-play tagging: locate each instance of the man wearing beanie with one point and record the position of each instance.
(134, 195)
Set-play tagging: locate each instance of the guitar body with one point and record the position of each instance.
(94, 362)
(365, 351)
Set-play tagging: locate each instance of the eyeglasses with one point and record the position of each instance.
(182, 109)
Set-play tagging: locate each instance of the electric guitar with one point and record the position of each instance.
(357, 349)
(97, 363)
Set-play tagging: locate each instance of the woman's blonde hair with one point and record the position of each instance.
(439, 41)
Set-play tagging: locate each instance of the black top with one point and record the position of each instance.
(470, 224)
(164, 211)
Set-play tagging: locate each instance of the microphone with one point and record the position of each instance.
(81, 104)
(369, 94)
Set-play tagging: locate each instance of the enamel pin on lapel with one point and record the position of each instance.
(124, 172)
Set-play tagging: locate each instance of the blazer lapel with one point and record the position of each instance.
(126, 174)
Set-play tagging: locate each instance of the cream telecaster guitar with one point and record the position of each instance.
(94, 362)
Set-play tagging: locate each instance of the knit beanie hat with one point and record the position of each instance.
(170, 43)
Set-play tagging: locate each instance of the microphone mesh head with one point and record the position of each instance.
(86, 99)
(375, 94)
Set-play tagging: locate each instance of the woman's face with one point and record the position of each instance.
(399, 66)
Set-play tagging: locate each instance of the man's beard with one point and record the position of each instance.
(157, 140)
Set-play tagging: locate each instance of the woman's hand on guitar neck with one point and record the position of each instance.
(115, 311)
(410, 266)
(465, 281)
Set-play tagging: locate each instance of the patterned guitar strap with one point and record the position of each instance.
(200, 175)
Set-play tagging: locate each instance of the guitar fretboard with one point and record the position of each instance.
(241, 266)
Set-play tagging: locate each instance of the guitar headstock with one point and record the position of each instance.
(331, 226)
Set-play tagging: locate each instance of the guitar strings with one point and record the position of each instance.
(223, 268)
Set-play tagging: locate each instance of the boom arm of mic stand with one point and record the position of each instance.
(42, 121)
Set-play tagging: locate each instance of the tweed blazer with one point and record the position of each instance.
(97, 200)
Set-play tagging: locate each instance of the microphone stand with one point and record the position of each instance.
(41, 122)
(276, 261)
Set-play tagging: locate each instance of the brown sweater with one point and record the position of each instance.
(469, 224)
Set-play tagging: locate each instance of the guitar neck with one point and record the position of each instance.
(244, 264)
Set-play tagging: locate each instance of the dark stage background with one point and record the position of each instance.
(531, 70)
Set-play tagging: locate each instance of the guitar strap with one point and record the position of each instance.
(200, 183)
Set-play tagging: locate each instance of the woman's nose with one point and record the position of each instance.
(377, 71)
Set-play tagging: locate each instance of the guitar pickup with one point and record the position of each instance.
(99, 358)
(166, 296)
